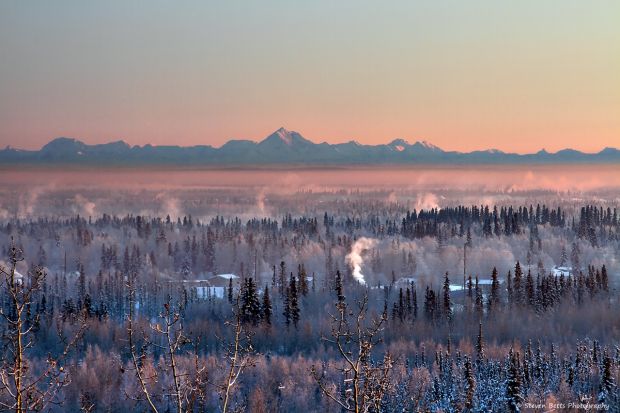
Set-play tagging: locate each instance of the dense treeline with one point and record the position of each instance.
(129, 289)
(454, 221)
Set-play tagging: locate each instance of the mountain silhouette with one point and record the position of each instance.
(283, 147)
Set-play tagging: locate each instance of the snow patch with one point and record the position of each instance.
(227, 276)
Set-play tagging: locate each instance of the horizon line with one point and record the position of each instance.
(424, 142)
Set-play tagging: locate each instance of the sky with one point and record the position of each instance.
(464, 75)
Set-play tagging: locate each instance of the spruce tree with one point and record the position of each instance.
(447, 304)
(480, 343)
(494, 298)
(81, 278)
(250, 305)
(529, 289)
(479, 300)
(514, 396)
(408, 304)
(429, 304)
(401, 311)
(414, 301)
(266, 307)
(230, 290)
(339, 288)
(563, 257)
(303, 280)
(604, 279)
(293, 300)
(608, 386)
(287, 308)
(470, 384)
(88, 306)
(509, 289)
(282, 278)
(518, 284)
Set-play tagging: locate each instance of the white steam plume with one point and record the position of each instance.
(355, 259)
(83, 206)
(27, 202)
(427, 201)
(392, 198)
(169, 205)
(260, 200)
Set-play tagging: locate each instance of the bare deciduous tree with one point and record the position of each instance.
(188, 386)
(239, 355)
(366, 381)
(22, 388)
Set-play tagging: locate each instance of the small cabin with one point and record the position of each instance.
(223, 280)
(562, 271)
(203, 292)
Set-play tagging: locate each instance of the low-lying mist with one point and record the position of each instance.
(368, 198)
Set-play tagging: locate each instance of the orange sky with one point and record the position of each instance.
(518, 76)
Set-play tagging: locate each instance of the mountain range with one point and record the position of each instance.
(283, 147)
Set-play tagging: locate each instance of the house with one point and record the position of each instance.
(405, 282)
(559, 271)
(482, 283)
(19, 278)
(203, 292)
(202, 288)
(214, 286)
(223, 280)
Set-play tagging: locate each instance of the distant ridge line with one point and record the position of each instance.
(284, 147)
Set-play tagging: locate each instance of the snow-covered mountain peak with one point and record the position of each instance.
(427, 145)
(284, 137)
